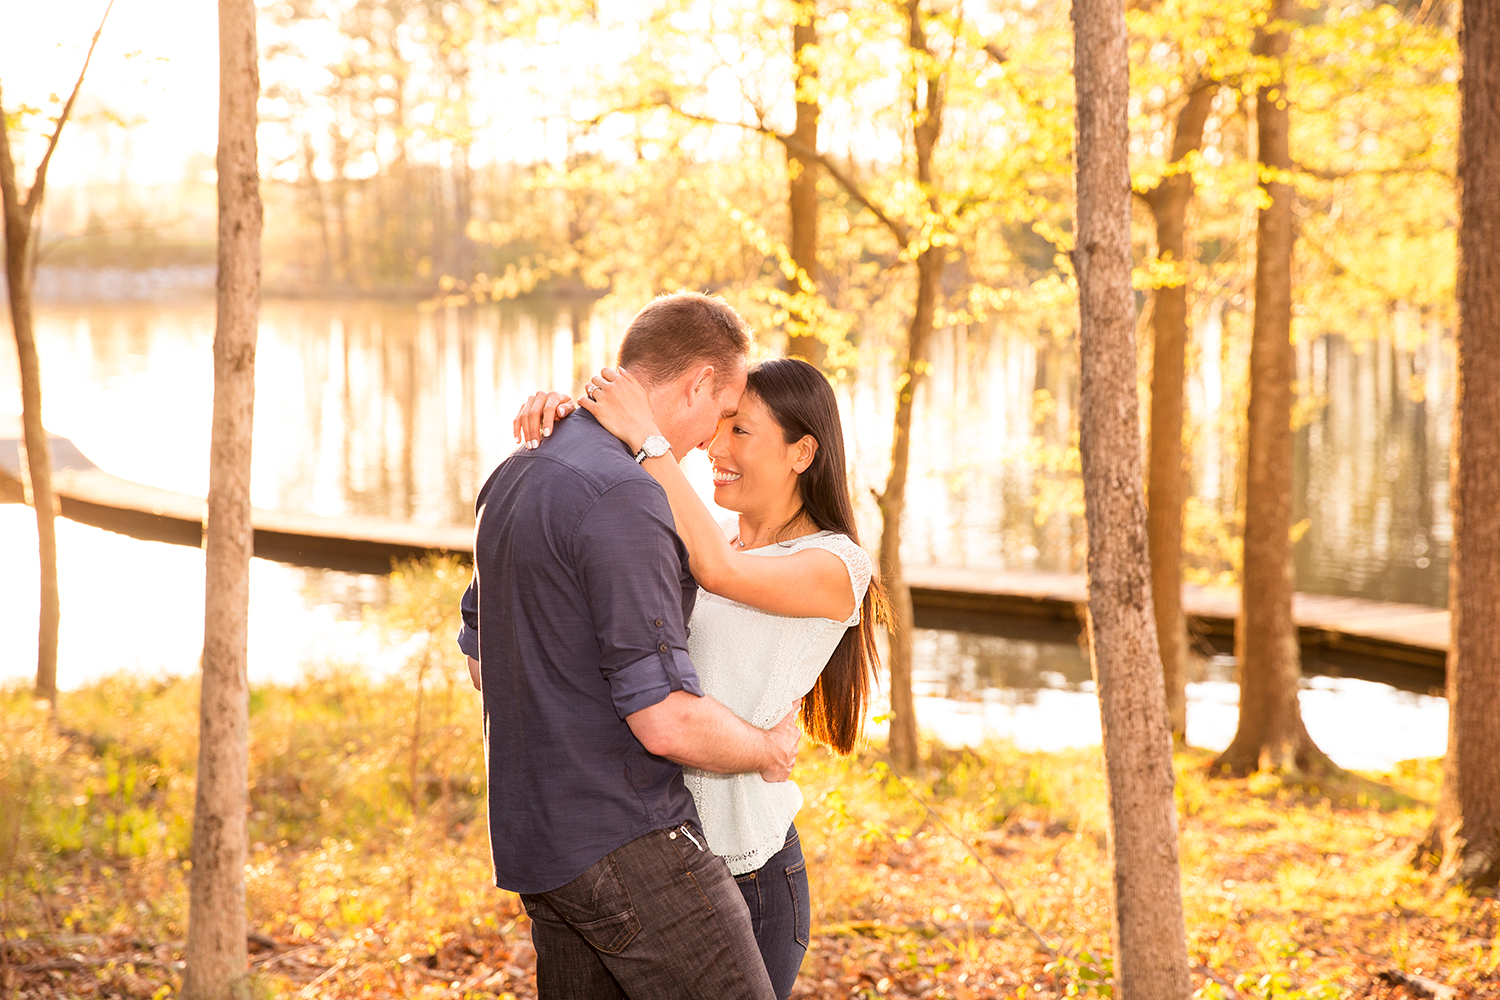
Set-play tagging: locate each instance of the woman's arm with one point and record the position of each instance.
(813, 583)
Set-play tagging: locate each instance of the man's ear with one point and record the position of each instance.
(806, 451)
(702, 381)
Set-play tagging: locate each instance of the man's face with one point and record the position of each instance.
(709, 407)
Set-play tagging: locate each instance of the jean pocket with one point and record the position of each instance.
(609, 935)
(598, 906)
(796, 878)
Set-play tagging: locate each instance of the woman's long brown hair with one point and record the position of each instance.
(802, 402)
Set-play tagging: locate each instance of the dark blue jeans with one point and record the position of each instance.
(780, 912)
(657, 919)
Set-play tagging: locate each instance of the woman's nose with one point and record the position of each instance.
(716, 446)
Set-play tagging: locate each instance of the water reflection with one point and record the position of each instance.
(1372, 469)
(1040, 696)
(383, 409)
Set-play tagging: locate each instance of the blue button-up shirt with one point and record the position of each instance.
(577, 614)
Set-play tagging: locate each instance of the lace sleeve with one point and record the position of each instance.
(855, 559)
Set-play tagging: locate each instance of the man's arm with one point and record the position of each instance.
(468, 633)
(702, 733)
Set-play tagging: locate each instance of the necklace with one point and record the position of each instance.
(792, 525)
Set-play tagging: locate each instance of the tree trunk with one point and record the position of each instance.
(38, 467)
(1150, 934)
(216, 953)
(320, 212)
(903, 738)
(1467, 829)
(927, 116)
(802, 183)
(1149, 927)
(1270, 733)
(1164, 493)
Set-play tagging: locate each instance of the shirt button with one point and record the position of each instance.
(658, 623)
(662, 647)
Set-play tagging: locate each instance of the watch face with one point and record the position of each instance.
(654, 446)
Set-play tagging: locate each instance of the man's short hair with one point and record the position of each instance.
(681, 331)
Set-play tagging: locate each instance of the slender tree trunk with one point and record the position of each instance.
(344, 271)
(927, 115)
(38, 467)
(1271, 733)
(1150, 934)
(903, 737)
(1165, 490)
(21, 237)
(1467, 829)
(803, 184)
(216, 953)
(320, 211)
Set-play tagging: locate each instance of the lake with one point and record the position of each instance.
(389, 410)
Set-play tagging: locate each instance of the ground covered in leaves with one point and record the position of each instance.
(986, 876)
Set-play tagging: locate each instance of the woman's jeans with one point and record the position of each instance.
(780, 912)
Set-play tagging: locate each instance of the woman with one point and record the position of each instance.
(786, 609)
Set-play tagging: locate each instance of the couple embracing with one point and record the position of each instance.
(643, 668)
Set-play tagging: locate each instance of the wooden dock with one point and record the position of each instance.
(1401, 644)
(1405, 645)
(89, 495)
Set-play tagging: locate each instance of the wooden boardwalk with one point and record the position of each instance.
(89, 495)
(1408, 641)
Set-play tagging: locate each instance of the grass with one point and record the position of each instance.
(369, 874)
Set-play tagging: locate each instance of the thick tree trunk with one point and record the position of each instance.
(1467, 829)
(1165, 490)
(1150, 936)
(215, 953)
(1270, 733)
(927, 116)
(802, 183)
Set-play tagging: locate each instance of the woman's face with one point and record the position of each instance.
(755, 470)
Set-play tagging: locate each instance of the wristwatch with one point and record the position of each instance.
(654, 446)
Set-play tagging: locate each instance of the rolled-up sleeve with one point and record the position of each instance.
(631, 564)
(468, 632)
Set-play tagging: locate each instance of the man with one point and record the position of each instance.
(577, 616)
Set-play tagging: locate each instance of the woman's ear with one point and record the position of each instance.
(804, 451)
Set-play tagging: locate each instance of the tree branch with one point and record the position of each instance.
(1397, 171)
(34, 198)
(898, 229)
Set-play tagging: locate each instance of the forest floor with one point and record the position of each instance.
(369, 875)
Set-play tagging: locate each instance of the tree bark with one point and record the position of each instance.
(1467, 828)
(927, 115)
(802, 183)
(1165, 488)
(38, 468)
(1270, 732)
(20, 269)
(1150, 934)
(216, 954)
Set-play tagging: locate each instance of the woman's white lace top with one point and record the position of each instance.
(758, 664)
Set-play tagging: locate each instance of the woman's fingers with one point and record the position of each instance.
(552, 408)
(525, 425)
(537, 415)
